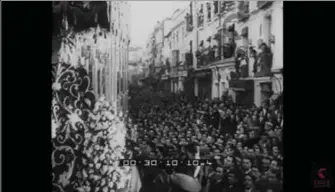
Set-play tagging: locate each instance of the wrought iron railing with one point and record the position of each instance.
(227, 6)
(243, 10)
(214, 54)
(200, 20)
(173, 70)
(189, 59)
(181, 67)
(209, 11)
(189, 22)
(264, 65)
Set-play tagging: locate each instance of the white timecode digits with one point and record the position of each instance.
(153, 162)
(132, 162)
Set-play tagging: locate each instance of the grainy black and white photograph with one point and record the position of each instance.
(167, 96)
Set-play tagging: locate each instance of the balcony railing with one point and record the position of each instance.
(181, 67)
(264, 65)
(243, 10)
(214, 54)
(189, 59)
(200, 20)
(189, 22)
(209, 12)
(173, 71)
(227, 6)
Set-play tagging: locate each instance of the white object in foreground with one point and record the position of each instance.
(186, 182)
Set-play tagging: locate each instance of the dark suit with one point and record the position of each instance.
(215, 118)
(228, 126)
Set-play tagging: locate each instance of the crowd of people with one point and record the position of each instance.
(245, 142)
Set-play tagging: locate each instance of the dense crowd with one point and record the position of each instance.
(245, 142)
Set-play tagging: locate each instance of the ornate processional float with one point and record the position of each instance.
(88, 135)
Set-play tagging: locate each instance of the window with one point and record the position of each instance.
(209, 11)
(191, 45)
(200, 16)
(216, 7)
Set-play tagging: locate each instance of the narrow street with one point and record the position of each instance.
(167, 96)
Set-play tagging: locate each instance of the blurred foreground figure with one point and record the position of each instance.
(164, 179)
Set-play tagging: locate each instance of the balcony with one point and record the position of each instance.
(189, 59)
(243, 11)
(157, 69)
(173, 71)
(175, 57)
(189, 22)
(263, 67)
(81, 15)
(200, 20)
(211, 56)
(181, 68)
(241, 64)
(209, 12)
(227, 6)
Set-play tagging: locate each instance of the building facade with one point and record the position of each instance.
(213, 60)
(260, 25)
(176, 47)
(225, 48)
(135, 65)
(239, 49)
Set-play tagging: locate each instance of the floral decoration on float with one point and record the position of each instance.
(88, 136)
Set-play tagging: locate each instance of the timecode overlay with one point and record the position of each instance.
(167, 163)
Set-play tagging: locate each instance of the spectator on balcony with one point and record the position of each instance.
(229, 48)
(217, 44)
(233, 44)
(253, 58)
(264, 59)
(200, 53)
(200, 16)
(210, 53)
(241, 62)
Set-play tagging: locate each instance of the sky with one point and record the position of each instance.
(145, 14)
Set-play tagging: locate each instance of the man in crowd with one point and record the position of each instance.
(245, 142)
